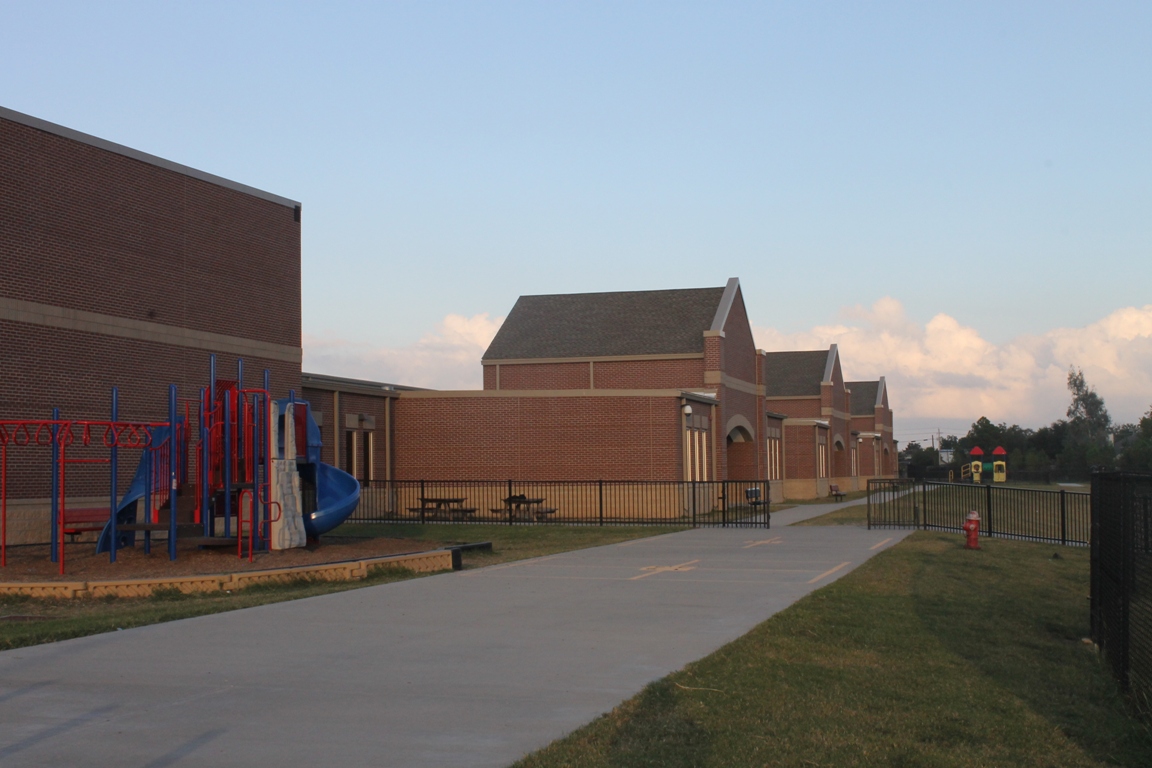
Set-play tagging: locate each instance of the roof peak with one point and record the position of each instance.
(610, 323)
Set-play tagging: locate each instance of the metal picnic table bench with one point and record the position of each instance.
(452, 506)
(523, 507)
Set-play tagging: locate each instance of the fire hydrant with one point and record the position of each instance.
(972, 528)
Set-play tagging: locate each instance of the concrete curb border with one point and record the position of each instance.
(351, 570)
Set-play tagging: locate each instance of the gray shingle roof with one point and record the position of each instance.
(606, 324)
(794, 373)
(863, 396)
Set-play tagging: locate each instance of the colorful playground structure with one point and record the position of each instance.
(257, 484)
(976, 470)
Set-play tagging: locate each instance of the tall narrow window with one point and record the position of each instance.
(351, 454)
(368, 462)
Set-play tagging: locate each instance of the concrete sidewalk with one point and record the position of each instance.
(801, 512)
(474, 668)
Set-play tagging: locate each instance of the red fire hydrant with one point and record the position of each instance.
(972, 528)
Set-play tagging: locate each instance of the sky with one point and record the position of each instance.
(958, 194)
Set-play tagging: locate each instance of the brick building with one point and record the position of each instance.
(872, 425)
(834, 432)
(634, 385)
(124, 269)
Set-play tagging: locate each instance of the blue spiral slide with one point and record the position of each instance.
(337, 492)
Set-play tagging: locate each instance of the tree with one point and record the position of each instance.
(1087, 412)
(1137, 449)
(919, 457)
(1087, 442)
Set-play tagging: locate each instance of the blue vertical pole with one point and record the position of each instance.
(205, 514)
(212, 380)
(173, 469)
(239, 373)
(226, 463)
(55, 488)
(113, 469)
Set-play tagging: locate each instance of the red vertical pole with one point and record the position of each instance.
(4, 504)
(63, 501)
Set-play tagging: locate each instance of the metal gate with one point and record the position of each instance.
(1122, 579)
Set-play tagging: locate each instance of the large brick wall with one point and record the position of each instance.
(122, 272)
(537, 438)
(544, 376)
(650, 374)
(85, 228)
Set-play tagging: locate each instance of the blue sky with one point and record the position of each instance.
(988, 162)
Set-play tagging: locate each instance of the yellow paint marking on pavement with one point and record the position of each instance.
(830, 571)
(652, 570)
(750, 544)
(880, 544)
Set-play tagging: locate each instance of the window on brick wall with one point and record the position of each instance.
(696, 447)
(359, 454)
(822, 459)
(352, 453)
(774, 453)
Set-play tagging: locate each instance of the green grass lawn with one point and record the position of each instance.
(29, 621)
(927, 655)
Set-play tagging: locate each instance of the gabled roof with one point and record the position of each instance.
(611, 324)
(797, 373)
(864, 395)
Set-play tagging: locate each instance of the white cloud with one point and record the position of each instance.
(946, 372)
(446, 358)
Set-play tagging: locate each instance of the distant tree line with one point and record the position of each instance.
(1071, 446)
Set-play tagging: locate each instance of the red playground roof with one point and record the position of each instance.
(998, 451)
(976, 451)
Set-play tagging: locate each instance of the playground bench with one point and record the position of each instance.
(84, 519)
(524, 507)
(450, 506)
(753, 499)
(835, 492)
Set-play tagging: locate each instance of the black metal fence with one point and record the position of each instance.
(1029, 514)
(593, 502)
(1122, 579)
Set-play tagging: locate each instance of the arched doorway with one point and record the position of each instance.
(741, 450)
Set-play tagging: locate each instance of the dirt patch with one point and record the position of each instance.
(31, 563)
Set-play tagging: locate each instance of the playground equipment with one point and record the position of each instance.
(975, 470)
(258, 479)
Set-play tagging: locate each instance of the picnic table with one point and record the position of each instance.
(449, 506)
(524, 508)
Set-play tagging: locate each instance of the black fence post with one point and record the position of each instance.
(988, 502)
(508, 502)
(422, 519)
(923, 511)
(600, 484)
(767, 504)
(869, 505)
(692, 490)
(1063, 517)
(724, 503)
